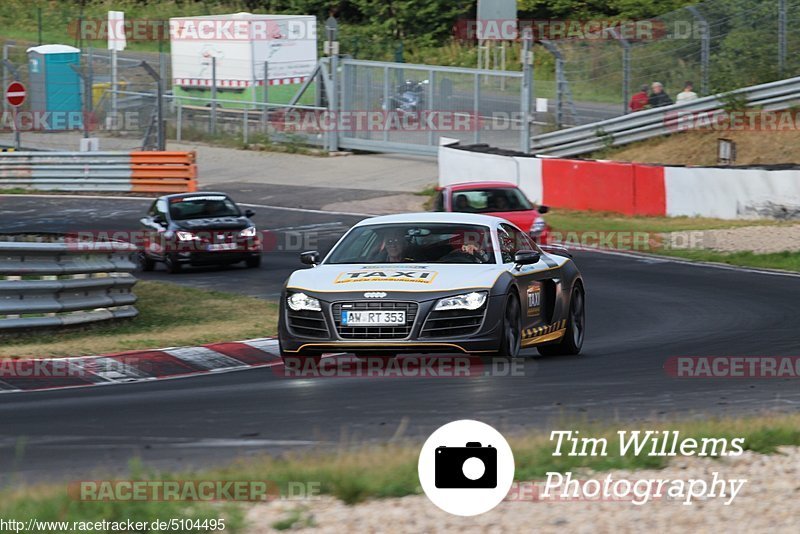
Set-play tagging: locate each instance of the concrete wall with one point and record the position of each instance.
(632, 188)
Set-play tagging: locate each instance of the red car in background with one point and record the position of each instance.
(500, 199)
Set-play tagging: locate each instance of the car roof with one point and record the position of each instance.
(195, 194)
(434, 217)
(481, 185)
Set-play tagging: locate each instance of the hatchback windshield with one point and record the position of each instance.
(415, 243)
(490, 200)
(202, 207)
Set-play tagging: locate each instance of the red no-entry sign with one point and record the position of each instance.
(15, 94)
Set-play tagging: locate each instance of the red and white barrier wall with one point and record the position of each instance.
(629, 188)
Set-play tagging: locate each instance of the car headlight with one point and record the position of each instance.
(250, 231)
(301, 301)
(186, 236)
(467, 301)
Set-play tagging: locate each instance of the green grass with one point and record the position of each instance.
(357, 473)
(18, 191)
(169, 315)
(297, 518)
(576, 221)
(56, 503)
(787, 261)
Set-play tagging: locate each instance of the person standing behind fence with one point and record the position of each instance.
(658, 97)
(639, 100)
(687, 94)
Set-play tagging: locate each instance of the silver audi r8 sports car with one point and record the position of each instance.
(434, 282)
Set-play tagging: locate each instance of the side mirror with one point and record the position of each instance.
(526, 257)
(543, 209)
(249, 213)
(310, 257)
(145, 221)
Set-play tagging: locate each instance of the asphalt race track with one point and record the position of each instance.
(640, 313)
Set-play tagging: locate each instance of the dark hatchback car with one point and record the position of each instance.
(198, 229)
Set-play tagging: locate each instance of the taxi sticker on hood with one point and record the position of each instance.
(387, 275)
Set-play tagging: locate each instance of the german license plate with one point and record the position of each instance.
(373, 318)
(222, 246)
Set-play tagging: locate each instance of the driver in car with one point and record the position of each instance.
(475, 246)
(394, 247)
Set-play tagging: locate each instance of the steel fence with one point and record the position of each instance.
(718, 45)
(489, 102)
(662, 120)
(52, 281)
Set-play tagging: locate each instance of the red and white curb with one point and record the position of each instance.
(18, 375)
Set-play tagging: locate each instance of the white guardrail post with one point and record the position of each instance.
(53, 281)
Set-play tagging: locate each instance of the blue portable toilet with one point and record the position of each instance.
(54, 86)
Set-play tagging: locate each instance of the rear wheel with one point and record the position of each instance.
(253, 262)
(572, 342)
(511, 336)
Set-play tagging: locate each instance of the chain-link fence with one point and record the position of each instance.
(127, 119)
(718, 45)
(416, 105)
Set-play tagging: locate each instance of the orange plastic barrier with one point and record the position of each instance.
(163, 172)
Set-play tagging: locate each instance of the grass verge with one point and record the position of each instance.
(357, 473)
(169, 315)
(568, 222)
(597, 221)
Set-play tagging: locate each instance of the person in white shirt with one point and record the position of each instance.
(687, 94)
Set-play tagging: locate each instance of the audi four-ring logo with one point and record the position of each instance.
(375, 295)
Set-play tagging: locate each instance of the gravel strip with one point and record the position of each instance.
(768, 502)
(758, 239)
(403, 203)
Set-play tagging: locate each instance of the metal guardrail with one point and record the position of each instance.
(64, 282)
(147, 171)
(654, 122)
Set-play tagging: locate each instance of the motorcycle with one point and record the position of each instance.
(409, 98)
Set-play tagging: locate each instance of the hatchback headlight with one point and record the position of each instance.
(250, 231)
(538, 227)
(301, 301)
(186, 236)
(467, 301)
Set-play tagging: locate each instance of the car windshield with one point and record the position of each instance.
(415, 243)
(202, 207)
(490, 200)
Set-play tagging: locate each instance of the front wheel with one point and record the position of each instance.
(253, 262)
(172, 263)
(145, 262)
(572, 342)
(511, 336)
